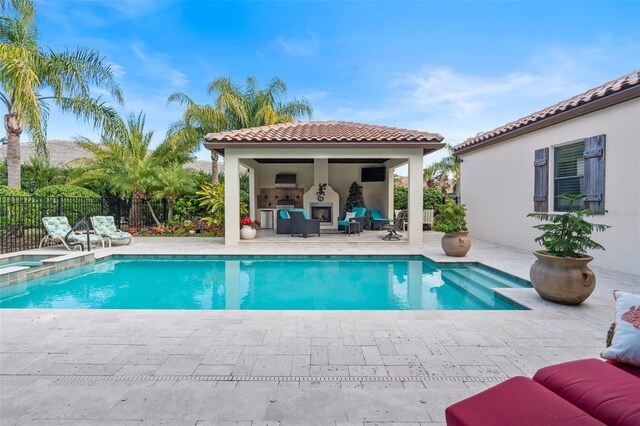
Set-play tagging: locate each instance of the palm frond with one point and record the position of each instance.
(93, 111)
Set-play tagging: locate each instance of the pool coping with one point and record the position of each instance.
(62, 263)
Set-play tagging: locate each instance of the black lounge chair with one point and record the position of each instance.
(300, 225)
(397, 225)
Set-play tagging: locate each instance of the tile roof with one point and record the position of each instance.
(324, 131)
(628, 81)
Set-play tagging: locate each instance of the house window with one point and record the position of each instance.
(568, 173)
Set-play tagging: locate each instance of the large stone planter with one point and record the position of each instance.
(456, 244)
(247, 232)
(564, 280)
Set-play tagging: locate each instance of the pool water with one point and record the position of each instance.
(339, 283)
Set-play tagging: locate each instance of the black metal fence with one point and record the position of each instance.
(21, 225)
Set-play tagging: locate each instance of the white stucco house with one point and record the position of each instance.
(588, 144)
(289, 162)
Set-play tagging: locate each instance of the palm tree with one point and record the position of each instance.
(173, 181)
(32, 79)
(235, 107)
(130, 169)
(437, 175)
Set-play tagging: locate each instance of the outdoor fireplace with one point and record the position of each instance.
(322, 211)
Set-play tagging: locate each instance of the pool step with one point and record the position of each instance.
(476, 289)
(483, 279)
(496, 276)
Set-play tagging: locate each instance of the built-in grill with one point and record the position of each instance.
(285, 203)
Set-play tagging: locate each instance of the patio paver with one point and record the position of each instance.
(333, 367)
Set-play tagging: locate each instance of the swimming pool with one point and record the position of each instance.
(256, 283)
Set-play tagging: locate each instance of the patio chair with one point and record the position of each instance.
(106, 228)
(283, 222)
(377, 221)
(302, 225)
(59, 230)
(397, 225)
(397, 212)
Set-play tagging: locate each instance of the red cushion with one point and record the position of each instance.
(631, 369)
(518, 401)
(607, 393)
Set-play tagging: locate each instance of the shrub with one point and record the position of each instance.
(65, 191)
(568, 234)
(74, 202)
(431, 198)
(451, 217)
(18, 211)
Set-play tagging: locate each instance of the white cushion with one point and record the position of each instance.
(349, 215)
(625, 346)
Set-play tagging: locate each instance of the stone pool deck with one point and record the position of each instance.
(217, 367)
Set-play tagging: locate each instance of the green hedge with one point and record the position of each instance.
(21, 209)
(17, 209)
(65, 191)
(431, 197)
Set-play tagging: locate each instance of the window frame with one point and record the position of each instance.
(553, 176)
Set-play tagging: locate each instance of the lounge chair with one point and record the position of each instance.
(302, 225)
(59, 230)
(106, 228)
(377, 221)
(392, 229)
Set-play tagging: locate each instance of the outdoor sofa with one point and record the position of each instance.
(584, 392)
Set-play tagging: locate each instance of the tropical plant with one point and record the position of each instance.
(212, 198)
(437, 175)
(173, 181)
(128, 167)
(568, 234)
(33, 78)
(451, 217)
(234, 107)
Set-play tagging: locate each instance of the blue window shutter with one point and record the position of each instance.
(594, 173)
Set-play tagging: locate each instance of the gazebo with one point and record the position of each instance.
(290, 164)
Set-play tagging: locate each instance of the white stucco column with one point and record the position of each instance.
(231, 199)
(391, 171)
(253, 213)
(415, 198)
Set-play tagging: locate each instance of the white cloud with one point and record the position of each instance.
(306, 46)
(314, 95)
(435, 89)
(158, 65)
(117, 70)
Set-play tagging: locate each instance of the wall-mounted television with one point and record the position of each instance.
(373, 174)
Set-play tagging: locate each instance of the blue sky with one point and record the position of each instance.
(457, 68)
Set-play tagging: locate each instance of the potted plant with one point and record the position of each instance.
(560, 274)
(248, 228)
(451, 219)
